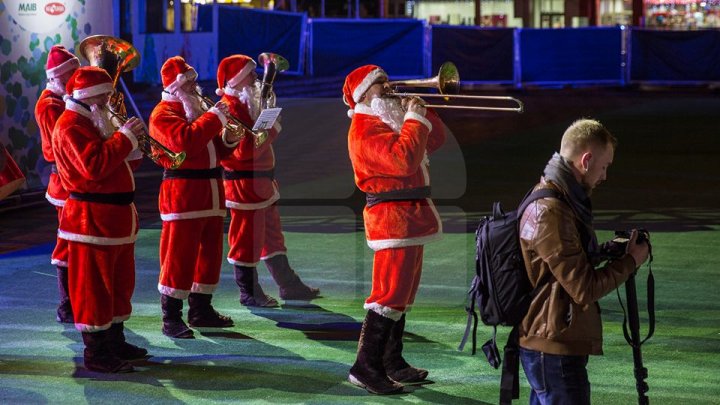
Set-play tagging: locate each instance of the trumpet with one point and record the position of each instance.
(447, 82)
(147, 144)
(234, 125)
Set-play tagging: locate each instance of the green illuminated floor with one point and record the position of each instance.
(302, 354)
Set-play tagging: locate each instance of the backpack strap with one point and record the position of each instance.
(510, 378)
(472, 319)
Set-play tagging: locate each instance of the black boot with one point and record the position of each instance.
(368, 371)
(291, 287)
(397, 368)
(173, 324)
(202, 313)
(64, 310)
(98, 356)
(121, 348)
(251, 294)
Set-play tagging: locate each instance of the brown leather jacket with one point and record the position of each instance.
(564, 316)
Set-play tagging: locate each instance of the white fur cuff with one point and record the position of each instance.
(415, 116)
(130, 135)
(219, 114)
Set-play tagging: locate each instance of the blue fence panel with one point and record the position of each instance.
(480, 54)
(571, 56)
(251, 32)
(339, 46)
(675, 56)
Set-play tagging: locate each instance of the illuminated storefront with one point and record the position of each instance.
(158, 16)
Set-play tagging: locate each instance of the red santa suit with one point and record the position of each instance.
(191, 200)
(47, 111)
(251, 191)
(393, 169)
(99, 219)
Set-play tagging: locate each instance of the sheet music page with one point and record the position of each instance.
(267, 118)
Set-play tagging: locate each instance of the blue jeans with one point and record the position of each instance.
(556, 379)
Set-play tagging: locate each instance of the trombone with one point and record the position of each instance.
(234, 125)
(447, 82)
(117, 56)
(147, 143)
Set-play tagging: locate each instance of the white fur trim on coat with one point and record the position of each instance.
(364, 109)
(75, 107)
(239, 263)
(54, 201)
(381, 244)
(203, 288)
(368, 81)
(93, 328)
(219, 114)
(254, 206)
(415, 116)
(93, 91)
(59, 263)
(193, 214)
(382, 310)
(96, 240)
(165, 96)
(273, 254)
(173, 292)
(131, 136)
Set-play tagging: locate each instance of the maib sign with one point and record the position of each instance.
(40, 15)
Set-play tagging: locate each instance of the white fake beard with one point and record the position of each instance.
(102, 121)
(250, 96)
(192, 103)
(56, 87)
(390, 111)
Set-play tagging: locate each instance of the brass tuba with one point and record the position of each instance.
(117, 56)
(272, 64)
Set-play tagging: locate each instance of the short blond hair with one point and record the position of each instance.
(583, 134)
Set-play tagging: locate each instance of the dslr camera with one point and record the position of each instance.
(617, 246)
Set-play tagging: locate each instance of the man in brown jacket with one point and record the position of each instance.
(561, 253)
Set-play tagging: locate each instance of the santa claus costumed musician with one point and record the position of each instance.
(61, 64)
(251, 193)
(388, 149)
(11, 177)
(99, 220)
(191, 201)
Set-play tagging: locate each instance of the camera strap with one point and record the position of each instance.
(650, 306)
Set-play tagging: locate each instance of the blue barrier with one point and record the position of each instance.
(571, 56)
(336, 47)
(482, 55)
(251, 32)
(674, 57)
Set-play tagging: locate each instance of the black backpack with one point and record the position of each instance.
(501, 289)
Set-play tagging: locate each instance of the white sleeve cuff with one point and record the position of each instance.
(135, 155)
(229, 145)
(129, 134)
(415, 116)
(220, 115)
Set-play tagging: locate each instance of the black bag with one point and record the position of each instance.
(501, 289)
